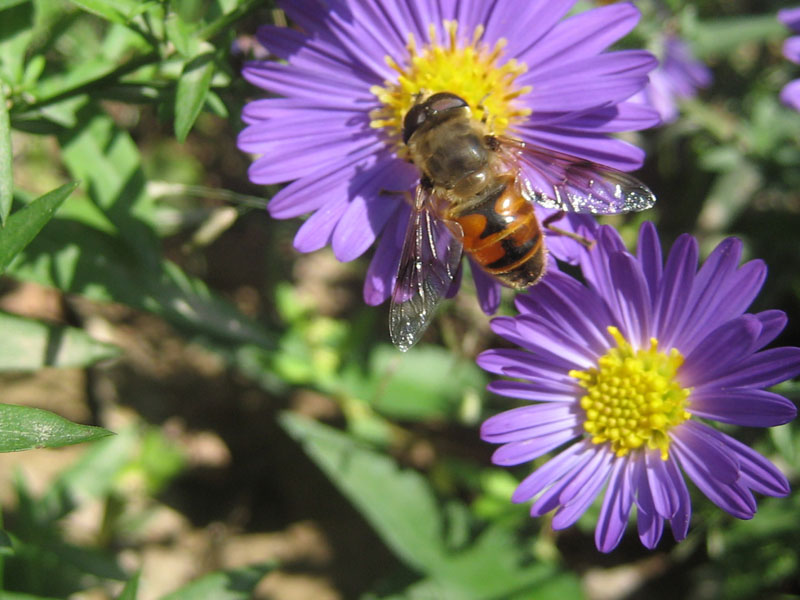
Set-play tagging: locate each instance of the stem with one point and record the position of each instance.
(6, 160)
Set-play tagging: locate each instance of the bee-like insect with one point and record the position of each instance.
(476, 194)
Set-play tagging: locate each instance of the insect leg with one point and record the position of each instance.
(548, 223)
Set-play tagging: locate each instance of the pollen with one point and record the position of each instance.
(471, 69)
(632, 397)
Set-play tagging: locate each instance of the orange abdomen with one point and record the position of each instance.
(502, 234)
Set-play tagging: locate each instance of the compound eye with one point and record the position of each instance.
(414, 119)
(444, 101)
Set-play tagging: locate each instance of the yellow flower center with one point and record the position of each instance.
(632, 399)
(472, 71)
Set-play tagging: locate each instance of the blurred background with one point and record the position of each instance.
(271, 443)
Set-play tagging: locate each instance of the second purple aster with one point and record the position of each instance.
(790, 95)
(621, 375)
(353, 69)
(678, 76)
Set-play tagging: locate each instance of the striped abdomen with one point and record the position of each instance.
(502, 234)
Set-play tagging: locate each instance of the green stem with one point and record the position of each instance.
(6, 160)
(209, 31)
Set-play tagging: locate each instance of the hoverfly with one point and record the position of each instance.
(476, 195)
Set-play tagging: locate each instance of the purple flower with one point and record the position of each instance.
(790, 94)
(678, 76)
(621, 374)
(355, 68)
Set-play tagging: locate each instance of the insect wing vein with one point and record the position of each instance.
(428, 264)
(563, 182)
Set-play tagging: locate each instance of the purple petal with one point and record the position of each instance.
(323, 186)
(762, 369)
(666, 500)
(585, 34)
(633, 298)
(649, 255)
(790, 94)
(527, 30)
(551, 471)
(649, 525)
(487, 288)
(701, 446)
(790, 17)
(678, 276)
(501, 361)
(576, 497)
(570, 307)
(382, 272)
(746, 407)
(515, 453)
(757, 472)
(683, 516)
(594, 263)
(616, 508)
(590, 82)
(286, 80)
(727, 345)
(316, 232)
(541, 391)
(597, 148)
(728, 495)
(528, 422)
(369, 208)
(772, 323)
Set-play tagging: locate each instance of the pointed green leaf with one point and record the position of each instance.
(81, 259)
(117, 11)
(131, 588)
(24, 224)
(193, 87)
(234, 584)
(26, 428)
(6, 172)
(29, 345)
(6, 546)
(16, 29)
(398, 503)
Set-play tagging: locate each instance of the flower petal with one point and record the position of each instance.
(527, 422)
(616, 508)
(515, 453)
(745, 407)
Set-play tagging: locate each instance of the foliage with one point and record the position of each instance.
(122, 194)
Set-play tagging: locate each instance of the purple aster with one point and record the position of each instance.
(354, 69)
(622, 373)
(678, 76)
(790, 94)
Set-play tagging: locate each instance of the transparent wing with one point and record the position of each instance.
(563, 182)
(430, 259)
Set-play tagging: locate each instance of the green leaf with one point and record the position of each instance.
(24, 224)
(428, 382)
(29, 345)
(6, 158)
(16, 29)
(117, 11)
(234, 584)
(6, 546)
(131, 588)
(398, 503)
(26, 428)
(108, 161)
(78, 258)
(193, 87)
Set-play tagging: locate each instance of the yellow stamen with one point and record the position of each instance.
(472, 71)
(632, 398)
